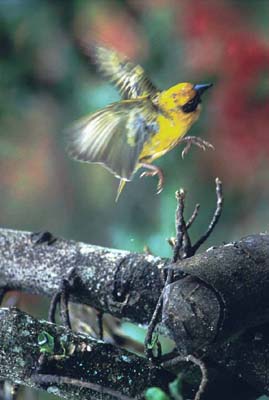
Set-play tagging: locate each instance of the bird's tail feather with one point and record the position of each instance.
(120, 188)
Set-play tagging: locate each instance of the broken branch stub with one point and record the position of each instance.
(220, 299)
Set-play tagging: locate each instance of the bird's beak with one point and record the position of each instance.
(201, 88)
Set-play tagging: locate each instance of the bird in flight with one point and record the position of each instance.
(144, 125)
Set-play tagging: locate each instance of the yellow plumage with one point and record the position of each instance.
(146, 124)
(173, 122)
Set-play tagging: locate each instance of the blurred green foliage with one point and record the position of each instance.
(46, 82)
(45, 343)
(156, 393)
(175, 388)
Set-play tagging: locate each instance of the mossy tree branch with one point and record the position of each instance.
(110, 372)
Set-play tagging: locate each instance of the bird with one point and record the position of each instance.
(144, 125)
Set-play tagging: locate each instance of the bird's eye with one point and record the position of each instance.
(191, 105)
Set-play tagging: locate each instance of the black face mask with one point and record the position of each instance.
(192, 104)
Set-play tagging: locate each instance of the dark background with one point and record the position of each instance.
(46, 83)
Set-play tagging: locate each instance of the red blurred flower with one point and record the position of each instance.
(221, 42)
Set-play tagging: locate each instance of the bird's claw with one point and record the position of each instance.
(144, 174)
(186, 150)
(199, 142)
(153, 171)
(160, 186)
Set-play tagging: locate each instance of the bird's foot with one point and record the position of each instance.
(203, 144)
(152, 171)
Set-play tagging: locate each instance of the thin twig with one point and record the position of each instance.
(193, 217)
(151, 328)
(64, 311)
(58, 380)
(180, 224)
(169, 356)
(99, 315)
(197, 361)
(53, 306)
(204, 379)
(153, 323)
(62, 297)
(182, 248)
(181, 242)
(214, 219)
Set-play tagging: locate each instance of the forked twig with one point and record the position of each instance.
(183, 248)
(180, 230)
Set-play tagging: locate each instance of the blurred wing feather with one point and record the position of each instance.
(114, 136)
(129, 78)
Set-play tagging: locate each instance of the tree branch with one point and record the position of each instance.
(128, 284)
(220, 293)
(106, 276)
(106, 372)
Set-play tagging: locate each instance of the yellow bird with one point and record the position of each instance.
(128, 135)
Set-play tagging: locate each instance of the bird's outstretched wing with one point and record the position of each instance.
(130, 79)
(114, 136)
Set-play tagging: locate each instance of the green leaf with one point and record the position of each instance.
(155, 393)
(175, 389)
(45, 342)
(154, 341)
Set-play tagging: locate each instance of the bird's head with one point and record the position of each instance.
(186, 97)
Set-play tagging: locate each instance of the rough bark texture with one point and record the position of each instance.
(247, 357)
(107, 276)
(225, 293)
(214, 300)
(86, 359)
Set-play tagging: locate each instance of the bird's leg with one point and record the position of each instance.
(152, 171)
(203, 144)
